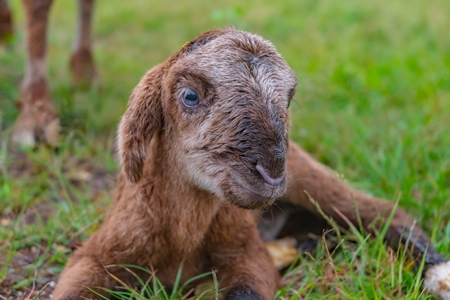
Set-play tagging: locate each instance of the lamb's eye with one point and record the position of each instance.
(190, 99)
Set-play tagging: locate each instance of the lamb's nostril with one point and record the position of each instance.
(273, 182)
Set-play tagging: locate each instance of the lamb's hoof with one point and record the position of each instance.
(437, 280)
(35, 126)
(242, 293)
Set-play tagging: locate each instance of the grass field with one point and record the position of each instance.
(373, 103)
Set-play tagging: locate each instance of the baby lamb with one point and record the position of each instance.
(202, 144)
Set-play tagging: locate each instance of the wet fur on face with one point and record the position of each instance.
(239, 123)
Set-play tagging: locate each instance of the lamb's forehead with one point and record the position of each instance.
(233, 46)
(235, 55)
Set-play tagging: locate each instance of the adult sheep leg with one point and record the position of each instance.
(6, 26)
(309, 180)
(82, 62)
(37, 119)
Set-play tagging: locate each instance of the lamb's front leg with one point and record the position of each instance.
(98, 264)
(245, 269)
(82, 274)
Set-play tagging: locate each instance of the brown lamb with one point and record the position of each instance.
(202, 144)
(38, 121)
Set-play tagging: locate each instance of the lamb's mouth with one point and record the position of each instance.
(241, 195)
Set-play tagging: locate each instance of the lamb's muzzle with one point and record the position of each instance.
(272, 182)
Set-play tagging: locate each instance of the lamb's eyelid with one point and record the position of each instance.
(182, 92)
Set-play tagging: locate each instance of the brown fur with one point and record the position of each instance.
(189, 175)
(6, 26)
(38, 121)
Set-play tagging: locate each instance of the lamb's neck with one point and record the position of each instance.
(173, 188)
(177, 200)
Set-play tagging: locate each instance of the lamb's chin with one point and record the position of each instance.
(251, 202)
(245, 197)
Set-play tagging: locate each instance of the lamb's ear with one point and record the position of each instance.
(141, 120)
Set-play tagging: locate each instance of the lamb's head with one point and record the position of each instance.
(221, 106)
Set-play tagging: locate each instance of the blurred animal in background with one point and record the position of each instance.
(38, 121)
(6, 26)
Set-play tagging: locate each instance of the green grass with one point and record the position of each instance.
(373, 103)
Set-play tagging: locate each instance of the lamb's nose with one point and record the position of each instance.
(273, 182)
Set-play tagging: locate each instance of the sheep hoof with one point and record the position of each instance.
(242, 293)
(34, 126)
(437, 280)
